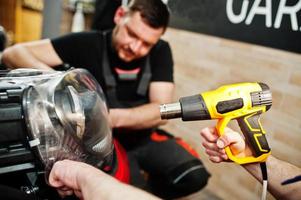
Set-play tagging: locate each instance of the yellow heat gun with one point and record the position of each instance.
(244, 102)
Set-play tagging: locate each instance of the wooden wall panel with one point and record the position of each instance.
(22, 23)
(8, 14)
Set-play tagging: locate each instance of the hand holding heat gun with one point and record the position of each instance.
(244, 102)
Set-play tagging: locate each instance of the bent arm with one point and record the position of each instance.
(278, 171)
(145, 116)
(89, 183)
(37, 54)
(97, 185)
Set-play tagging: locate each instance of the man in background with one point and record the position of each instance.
(135, 69)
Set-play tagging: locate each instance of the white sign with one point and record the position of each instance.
(283, 9)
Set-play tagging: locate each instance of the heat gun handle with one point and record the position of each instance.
(251, 127)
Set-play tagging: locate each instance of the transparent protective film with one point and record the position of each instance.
(68, 119)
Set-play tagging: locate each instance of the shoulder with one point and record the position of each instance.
(74, 44)
(78, 37)
(161, 45)
(85, 34)
(161, 61)
(161, 50)
(79, 49)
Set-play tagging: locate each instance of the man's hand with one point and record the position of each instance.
(88, 182)
(214, 145)
(65, 176)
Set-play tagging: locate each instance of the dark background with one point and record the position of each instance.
(210, 17)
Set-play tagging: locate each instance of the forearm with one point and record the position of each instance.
(99, 185)
(17, 56)
(278, 171)
(145, 116)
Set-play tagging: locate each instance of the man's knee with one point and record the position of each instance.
(183, 180)
(190, 177)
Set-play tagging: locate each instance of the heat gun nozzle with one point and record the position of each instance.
(170, 111)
